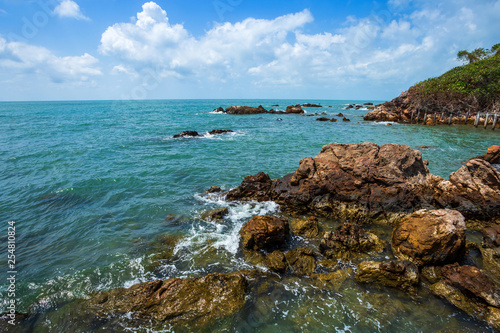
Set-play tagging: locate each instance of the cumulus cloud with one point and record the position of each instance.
(395, 44)
(22, 58)
(69, 9)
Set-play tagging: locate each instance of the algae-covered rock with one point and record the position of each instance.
(302, 260)
(305, 227)
(431, 274)
(276, 262)
(349, 240)
(430, 237)
(197, 302)
(396, 274)
(332, 280)
(264, 233)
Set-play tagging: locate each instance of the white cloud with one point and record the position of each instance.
(21, 58)
(69, 9)
(3, 12)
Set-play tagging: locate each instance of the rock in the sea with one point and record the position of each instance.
(430, 237)
(340, 114)
(345, 119)
(305, 227)
(196, 302)
(492, 155)
(349, 240)
(276, 262)
(186, 134)
(213, 189)
(331, 280)
(469, 290)
(380, 183)
(491, 237)
(216, 214)
(219, 109)
(392, 273)
(368, 103)
(264, 233)
(219, 131)
(490, 252)
(294, 109)
(333, 120)
(302, 260)
(471, 279)
(236, 109)
(309, 105)
(323, 119)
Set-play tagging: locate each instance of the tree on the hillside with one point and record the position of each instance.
(495, 49)
(470, 57)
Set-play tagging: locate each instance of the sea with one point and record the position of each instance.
(102, 196)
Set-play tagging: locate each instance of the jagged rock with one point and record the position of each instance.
(340, 114)
(350, 106)
(294, 109)
(264, 233)
(276, 262)
(213, 189)
(365, 181)
(305, 227)
(430, 237)
(333, 120)
(197, 302)
(322, 119)
(470, 279)
(349, 240)
(345, 119)
(186, 134)
(492, 155)
(396, 274)
(490, 252)
(491, 237)
(219, 131)
(219, 109)
(302, 261)
(469, 290)
(309, 105)
(216, 214)
(431, 274)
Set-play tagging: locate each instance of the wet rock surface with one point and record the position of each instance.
(302, 261)
(430, 237)
(305, 227)
(276, 262)
(393, 273)
(264, 233)
(198, 301)
(186, 134)
(216, 214)
(348, 241)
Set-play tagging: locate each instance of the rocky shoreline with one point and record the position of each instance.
(358, 185)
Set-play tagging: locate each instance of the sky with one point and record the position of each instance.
(221, 49)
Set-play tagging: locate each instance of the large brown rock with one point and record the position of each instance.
(197, 302)
(492, 155)
(396, 274)
(378, 183)
(305, 227)
(430, 237)
(264, 233)
(276, 262)
(294, 109)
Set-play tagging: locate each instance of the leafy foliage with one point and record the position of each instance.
(477, 83)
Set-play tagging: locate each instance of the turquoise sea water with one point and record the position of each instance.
(93, 186)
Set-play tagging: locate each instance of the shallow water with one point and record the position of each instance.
(90, 186)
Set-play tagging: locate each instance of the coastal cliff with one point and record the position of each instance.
(465, 89)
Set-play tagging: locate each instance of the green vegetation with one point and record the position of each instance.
(475, 85)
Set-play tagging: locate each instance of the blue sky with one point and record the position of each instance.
(110, 49)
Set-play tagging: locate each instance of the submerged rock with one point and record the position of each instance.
(216, 214)
(331, 280)
(302, 260)
(213, 189)
(322, 119)
(197, 302)
(348, 241)
(430, 237)
(264, 233)
(276, 262)
(393, 273)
